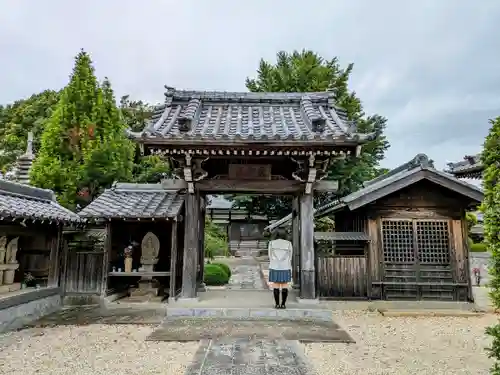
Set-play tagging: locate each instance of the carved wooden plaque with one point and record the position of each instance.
(249, 171)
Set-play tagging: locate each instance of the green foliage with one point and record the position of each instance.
(84, 147)
(471, 220)
(306, 71)
(491, 208)
(470, 242)
(17, 119)
(216, 243)
(151, 169)
(225, 267)
(215, 275)
(478, 247)
(324, 224)
(135, 113)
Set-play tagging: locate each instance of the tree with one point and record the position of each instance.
(84, 147)
(491, 208)
(306, 71)
(151, 169)
(136, 113)
(17, 119)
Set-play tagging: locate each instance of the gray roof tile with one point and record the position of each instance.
(27, 202)
(341, 236)
(131, 201)
(250, 117)
(470, 165)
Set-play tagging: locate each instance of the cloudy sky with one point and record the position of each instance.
(429, 66)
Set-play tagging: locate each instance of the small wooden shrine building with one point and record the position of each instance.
(402, 236)
(260, 143)
(31, 223)
(131, 215)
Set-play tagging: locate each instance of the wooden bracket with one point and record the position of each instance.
(188, 174)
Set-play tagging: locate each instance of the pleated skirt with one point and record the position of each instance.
(280, 276)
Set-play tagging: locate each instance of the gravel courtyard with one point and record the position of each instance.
(91, 350)
(430, 346)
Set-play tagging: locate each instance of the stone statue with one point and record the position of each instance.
(12, 251)
(11, 264)
(150, 248)
(3, 244)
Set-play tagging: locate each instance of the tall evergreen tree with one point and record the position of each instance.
(84, 147)
(491, 208)
(306, 71)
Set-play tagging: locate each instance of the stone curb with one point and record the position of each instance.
(249, 313)
(429, 313)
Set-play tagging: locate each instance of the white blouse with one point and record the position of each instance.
(280, 255)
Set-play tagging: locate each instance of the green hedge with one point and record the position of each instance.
(479, 247)
(225, 267)
(215, 275)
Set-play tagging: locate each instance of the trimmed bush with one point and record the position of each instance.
(470, 242)
(215, 275)
(225, 267)
(479, 247)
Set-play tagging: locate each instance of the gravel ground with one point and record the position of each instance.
(92, 350)
(430, 346)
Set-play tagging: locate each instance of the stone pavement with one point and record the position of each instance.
(249, 357)
(245, 274)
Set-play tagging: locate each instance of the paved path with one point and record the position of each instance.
(245, 275)
(249, 357)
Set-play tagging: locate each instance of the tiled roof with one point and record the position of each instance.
(27, 202)
(470, 165)
(386, 184)
(219, 202)
(134, 201)
(341, 236)
(247, 117)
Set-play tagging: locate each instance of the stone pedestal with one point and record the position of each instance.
(9, 272)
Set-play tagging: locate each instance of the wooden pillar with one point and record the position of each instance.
(191, 245)
(307, 269)
(173, 260)
(296, 242)
(201, 249)
(54, 260)
(105, 260)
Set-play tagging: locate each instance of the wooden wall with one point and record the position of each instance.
(342, 277)
(84, 272)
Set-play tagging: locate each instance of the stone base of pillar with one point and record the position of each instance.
(295, 286)
(201, 287)
(307, 301)
(183, 299)
(308, 284)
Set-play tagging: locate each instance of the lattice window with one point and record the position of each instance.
(433, 242)
(397, 239)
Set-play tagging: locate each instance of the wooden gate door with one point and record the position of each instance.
(417, 262)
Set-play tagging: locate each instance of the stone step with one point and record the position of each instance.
(249, 313)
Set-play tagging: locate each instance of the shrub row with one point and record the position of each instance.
(216, 274)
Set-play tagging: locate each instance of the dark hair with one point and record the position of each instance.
(280, 234)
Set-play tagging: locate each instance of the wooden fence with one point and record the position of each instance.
(84, 272)
(342, 277)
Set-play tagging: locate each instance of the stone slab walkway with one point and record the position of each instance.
(256, 329)
(249, 357)
(245, 275)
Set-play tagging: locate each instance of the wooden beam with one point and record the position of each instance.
(173, 260)
(296, 242)
(201, 249)
(54, 270)
(326, 186)
(307, 256)
(240, 186)
(173, 184)
(105, 260)
(190, 256)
